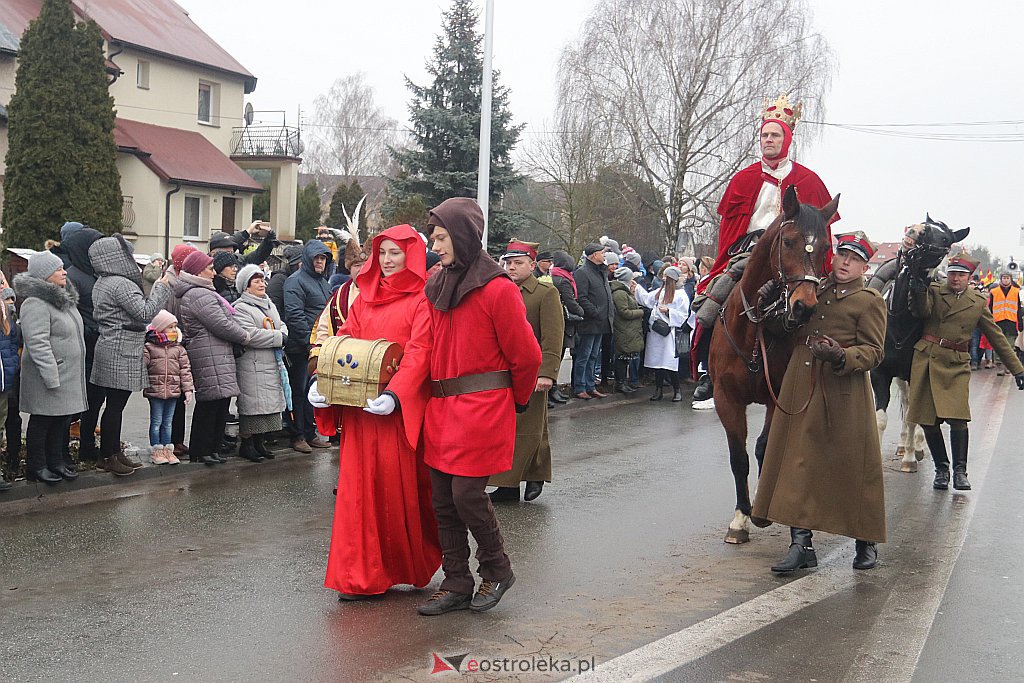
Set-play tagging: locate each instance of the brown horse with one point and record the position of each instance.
(753, 340)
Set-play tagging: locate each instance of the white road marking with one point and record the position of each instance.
(834, 575)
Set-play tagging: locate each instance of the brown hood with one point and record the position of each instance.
(472, 267)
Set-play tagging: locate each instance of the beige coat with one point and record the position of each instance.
(823, 468)
(940, 378)
(532, 458)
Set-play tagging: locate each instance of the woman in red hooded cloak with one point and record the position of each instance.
(384, 530)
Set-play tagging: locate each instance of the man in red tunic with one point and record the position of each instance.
(751, 202)
(483, 369)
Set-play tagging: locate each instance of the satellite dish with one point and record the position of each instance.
(248, 113)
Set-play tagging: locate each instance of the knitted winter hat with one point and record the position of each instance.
(611, 258)
(623, 274)
(196, 262)
(224, 259)
(245, 275)
(178, 255)
(68, 228)
(222, 240)
(162, 320)
(156, 256)
(673, 273)
(633, 257)
(44, 264)
(293, 252)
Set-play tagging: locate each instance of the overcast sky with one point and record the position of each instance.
(898, 63)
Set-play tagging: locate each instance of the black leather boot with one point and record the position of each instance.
(557, 396)
(867, 555)
(247, 451)
(958, 445)
(505, 494)
(937, 446)
(260, 446)
(801, 553)
(659, 392)
(705, 389)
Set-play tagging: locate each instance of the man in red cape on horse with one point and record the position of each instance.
(751, 202)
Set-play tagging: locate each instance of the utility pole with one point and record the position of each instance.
(483, 189)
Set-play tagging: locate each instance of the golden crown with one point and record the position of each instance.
(781, 110)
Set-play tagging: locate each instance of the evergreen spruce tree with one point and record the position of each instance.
(348, 196)
(307, 212)
(446, 127)
(61, 164)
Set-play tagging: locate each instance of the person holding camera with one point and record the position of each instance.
(822, 468)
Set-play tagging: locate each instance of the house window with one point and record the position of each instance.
(142, 75)
(193, 217)
(206, 103)
(209, 103)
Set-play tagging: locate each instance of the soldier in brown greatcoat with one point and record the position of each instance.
(940, 377)
(532, 459)
(823, 467)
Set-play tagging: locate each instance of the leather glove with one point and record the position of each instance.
(382, 405)
(767, 295)
(1020, 380)
(316, 399)
(828, 349)
(522, 408)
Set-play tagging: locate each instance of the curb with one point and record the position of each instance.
(95, 485)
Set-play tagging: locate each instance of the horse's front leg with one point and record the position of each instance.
(911, 448)
(881, 383)
(734, 420)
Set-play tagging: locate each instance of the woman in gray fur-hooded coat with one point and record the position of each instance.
(52, 364)
(122, 312)
(261, 397)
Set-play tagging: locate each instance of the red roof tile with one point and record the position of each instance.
(181, 156)
(160, 26)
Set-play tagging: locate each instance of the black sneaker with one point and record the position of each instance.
(444, 601)
(490, 593)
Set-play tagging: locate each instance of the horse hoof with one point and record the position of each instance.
(908, 466)
(900, 452)
(919, 455)
(737, 536)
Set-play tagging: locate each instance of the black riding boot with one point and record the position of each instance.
(659, 377)
(958, 444)
(704, 389)
(260, 446)
(867, 555)
(801, 552)
(937, 445)
(673, 378)
(621, 386)
(248, 451)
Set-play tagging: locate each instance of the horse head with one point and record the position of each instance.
(926, 244)
(797, 255)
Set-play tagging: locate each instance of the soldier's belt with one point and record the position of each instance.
(471, 384)
(945, 343)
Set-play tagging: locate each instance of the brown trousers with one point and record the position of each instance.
(461, 504)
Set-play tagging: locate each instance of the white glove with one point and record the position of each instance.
(382, 405)
(316, 399)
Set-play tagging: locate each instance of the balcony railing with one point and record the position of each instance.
(266, 141)
(127, 214)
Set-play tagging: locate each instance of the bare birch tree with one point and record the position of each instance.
(349, 134)
(677, 85)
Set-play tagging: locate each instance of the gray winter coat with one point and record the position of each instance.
(305, 295)
(259, 376)
(53, 362)
(210, 331)
(122, 313)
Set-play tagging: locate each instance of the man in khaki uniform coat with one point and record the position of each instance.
(823, 467)
(532, 459)
(940, 377)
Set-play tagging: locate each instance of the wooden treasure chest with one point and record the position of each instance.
(350, 371)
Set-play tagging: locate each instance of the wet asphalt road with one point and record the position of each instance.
(221, 579)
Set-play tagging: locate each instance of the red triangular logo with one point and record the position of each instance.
(440, 665)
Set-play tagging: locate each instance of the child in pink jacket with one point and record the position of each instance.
(170, 376)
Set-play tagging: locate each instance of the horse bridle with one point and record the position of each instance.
(783, 282)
